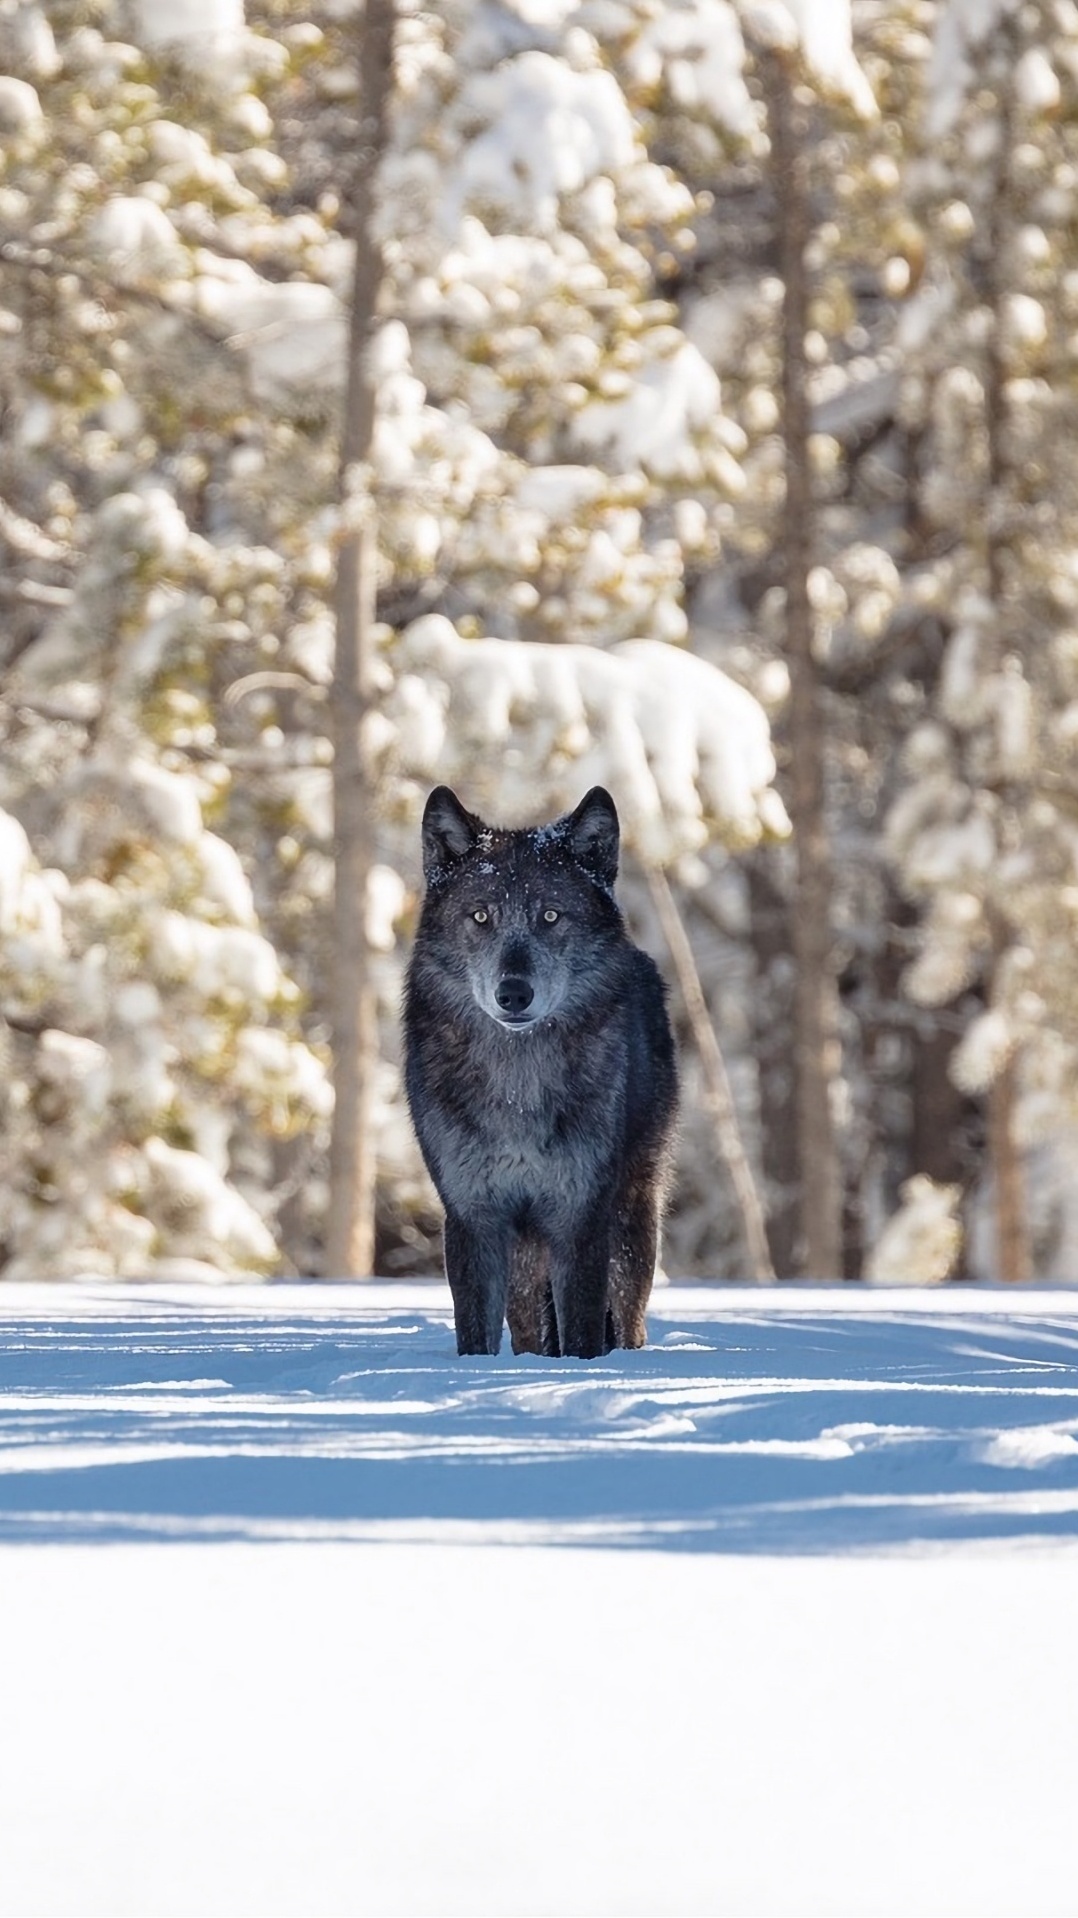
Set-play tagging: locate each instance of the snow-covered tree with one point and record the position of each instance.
(588, 564)
(983, 834)
(547, 447)
(153, 1034)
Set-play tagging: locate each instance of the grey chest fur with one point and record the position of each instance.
(530, 1137)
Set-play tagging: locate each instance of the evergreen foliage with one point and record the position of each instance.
(577, 474)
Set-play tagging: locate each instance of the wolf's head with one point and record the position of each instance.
(522, 923)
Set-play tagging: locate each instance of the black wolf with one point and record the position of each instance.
(541, 1079)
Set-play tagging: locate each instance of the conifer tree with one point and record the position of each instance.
(982, 834)
(155, 1061)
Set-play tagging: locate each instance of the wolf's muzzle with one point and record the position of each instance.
(514, 996)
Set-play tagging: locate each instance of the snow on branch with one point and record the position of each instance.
(823, 31)
(208, 35)
(920, 1244)
(525, 728)
(549, 132)
(962, 28)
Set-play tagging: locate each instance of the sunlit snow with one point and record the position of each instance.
(304, 1635)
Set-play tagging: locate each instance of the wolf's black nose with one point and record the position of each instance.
(514, 996)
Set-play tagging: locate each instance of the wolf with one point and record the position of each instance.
(541, 1078)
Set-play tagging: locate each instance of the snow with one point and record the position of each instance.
(20, 108)
(652, 427)
(209, 1218)
(698, 49)
(962, 28)
(921, 1241)
(30, 39)
(800, 1420)
(983, 1051)
(677, 741)
(269, 1065)
(26, 902)
(15, 861)
(294, 332)
(824, 31)
(304, 1732)
(1036, 82)
(387, 899)
(808, 1655)
(223, 884)
(207, 33)
(137, 239)
(221, 961)
(549, 131)
(71, 1063)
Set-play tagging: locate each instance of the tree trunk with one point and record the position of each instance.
(350, 1226)
(773, 1050)
(1011, 1231)
(1012, 1224)
(816, 998)
(938, 1142)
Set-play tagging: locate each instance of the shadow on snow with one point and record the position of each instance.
(768, 1431)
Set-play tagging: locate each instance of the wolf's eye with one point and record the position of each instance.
(550, 915)
(481, 917)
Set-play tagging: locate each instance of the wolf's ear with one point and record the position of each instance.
(448, 831)
(593, 835)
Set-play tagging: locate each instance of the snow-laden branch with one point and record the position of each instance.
(822, 30)
(685, 751)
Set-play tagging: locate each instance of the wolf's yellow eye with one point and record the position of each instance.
(550, 915)
(480, 917)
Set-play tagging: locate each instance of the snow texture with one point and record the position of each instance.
(699, 51)
(825, 1421)
(653, 427)
(550, 131)
(837, 1602)
(294, 332)
(205, 33)
(921, 1241)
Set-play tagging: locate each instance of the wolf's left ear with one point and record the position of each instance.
(594, 836)
(448, 830)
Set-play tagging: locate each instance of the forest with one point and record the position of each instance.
(677, 395)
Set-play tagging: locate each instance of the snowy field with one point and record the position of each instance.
(302, 1614)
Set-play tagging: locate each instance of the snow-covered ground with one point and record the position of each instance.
(286, 1628)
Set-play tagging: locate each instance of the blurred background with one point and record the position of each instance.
(682, 397)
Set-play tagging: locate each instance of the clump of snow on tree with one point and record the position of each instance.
(685, 751)
(921, 1241)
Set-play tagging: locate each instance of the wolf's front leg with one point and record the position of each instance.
(477, 1266)
(529, 1308)
(579, 1263)
(634, 1251)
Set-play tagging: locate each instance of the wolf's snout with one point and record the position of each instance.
(514, 996)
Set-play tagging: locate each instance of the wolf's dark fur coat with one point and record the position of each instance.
(541, 1079)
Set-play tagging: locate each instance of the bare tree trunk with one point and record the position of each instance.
(720, 1097)
(350, 1226)
(1011, 1229)
(817, 1043)
(773, 1047)
(938, 1142)
(1012, 1224)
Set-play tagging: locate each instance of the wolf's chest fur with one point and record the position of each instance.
(528, 1116)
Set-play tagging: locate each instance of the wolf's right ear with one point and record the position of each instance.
(448, 831)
